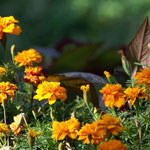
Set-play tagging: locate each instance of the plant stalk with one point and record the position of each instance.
(87, 105)
(4, 109)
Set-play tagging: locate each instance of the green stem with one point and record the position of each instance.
(136, 111)
(4, 113)
(113, 110)
(8, 141)
(31, 97)
(87, 105)
(1, 140)
(5, 54)
(3, 41)
(146, 128)
(139, 129)
(51, 113)
(90, 111)
(5, 141)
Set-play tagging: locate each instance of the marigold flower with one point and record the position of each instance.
(34, 75)
(113, 95)
(31, 137)
(60, 130)
(3, 128)
(143, 77)
(112, 145)
(6, 89)
(73, 126)
(27, 57)
(2, 71)
(50, 91)
(92, 133)
(17, 125)
(32, 133)
(111, 124)
(7, 25)
(134, 93)
(65, 128)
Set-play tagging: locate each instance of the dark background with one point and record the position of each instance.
(48, 24)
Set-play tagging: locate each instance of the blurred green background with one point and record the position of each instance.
(46, 22)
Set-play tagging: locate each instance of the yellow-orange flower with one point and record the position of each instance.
(107, 74)
(50, 91)
(112, 145)
(32, 133)
(17, 125)
(85, 88)
(34, 75)
(15, 128)
(31, 137)
(111, 124)
(134, 93)
(3, 128)
(60, 130)
(73, 126)
(143, 77)
(92, 133)
(27, 57)
(113, 95)
(7, 25)
(65, 128)
(2, 71)
(6, 89)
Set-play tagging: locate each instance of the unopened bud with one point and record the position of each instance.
(12, 50)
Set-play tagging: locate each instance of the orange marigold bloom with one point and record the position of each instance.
(34, 75)
(50, 91)
(60, 130)
(92, 133)
(67, 128)
(113, 95)
(112, 145)
(2, 71)
(73, 126)
(134, 93)
(32, 133)
(7, 25)
(143, 77)
(111, 124)
(6, 89)
(3, 128)
(27, 57)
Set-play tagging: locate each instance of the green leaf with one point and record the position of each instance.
(76, 59)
